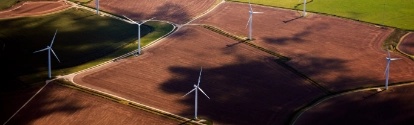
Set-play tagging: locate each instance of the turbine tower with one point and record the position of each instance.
(196, 88)
(139, 31)
(49, 49)
(249, 22)
(304, 7)
(97, 6)
(387, 69)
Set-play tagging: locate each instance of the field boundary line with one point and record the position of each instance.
(44, 14)
(402, 52)
(207, 11)
(47, 82)
(281, 61)
(124, 101)
(322, 99)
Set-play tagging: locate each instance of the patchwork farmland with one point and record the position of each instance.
(246, 86)
(297, 70)
(340, 57)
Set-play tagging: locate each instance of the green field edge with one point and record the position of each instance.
(319, 100)
(322, 13)
(142, 107)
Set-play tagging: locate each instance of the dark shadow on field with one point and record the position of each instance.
(171, 11)
(299, 36)
(287, 21)
(168, 11)
(82, 37)
(364, 108)
(248, 93)
(375, 93)
(43, 105)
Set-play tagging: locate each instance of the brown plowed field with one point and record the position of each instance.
(340, 54)
(57, 105)
(391, 107)
(177, 11)
(33, 8)
(407, 44)
(245, 85)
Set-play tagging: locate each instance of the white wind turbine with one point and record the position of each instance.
(249, 22)
(387, 69)
(49, 49)
(196, 88)
(139, 31)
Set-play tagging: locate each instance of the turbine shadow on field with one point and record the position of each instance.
(168, 11)
(299, 36)
(173, 12)
(287, 21)
(248, 93)
(363, 108)
(46, 103)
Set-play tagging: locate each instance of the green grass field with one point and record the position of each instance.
(83, 39)
(4, 4)
(395, 13)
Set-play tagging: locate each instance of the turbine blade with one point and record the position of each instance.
(248, 21)
(395, 58)
(190, 92)
(203, 92)
(132, 21)
(199, 77)
(147, 20)
(54, 54)
(41, 50)
(53, 39)
(250, 6)
(257, 12)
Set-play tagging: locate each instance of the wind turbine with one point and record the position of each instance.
(139, 31)
(387, 69)
(97, 6)
(251, 12)
(49, 49)
(196, 88)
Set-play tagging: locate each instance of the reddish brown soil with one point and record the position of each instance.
(391, 107)
(340, 54)
(33, 9)
(177, 11)
(61, 105)
(245, 85)
(407, 44)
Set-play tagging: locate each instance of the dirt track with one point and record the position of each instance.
(33, 8)
(245, 85)
(61, 105)
(177, 11)
(407, 44)
(340, 54)
(391, 107)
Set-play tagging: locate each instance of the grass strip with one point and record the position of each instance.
(245, 41)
